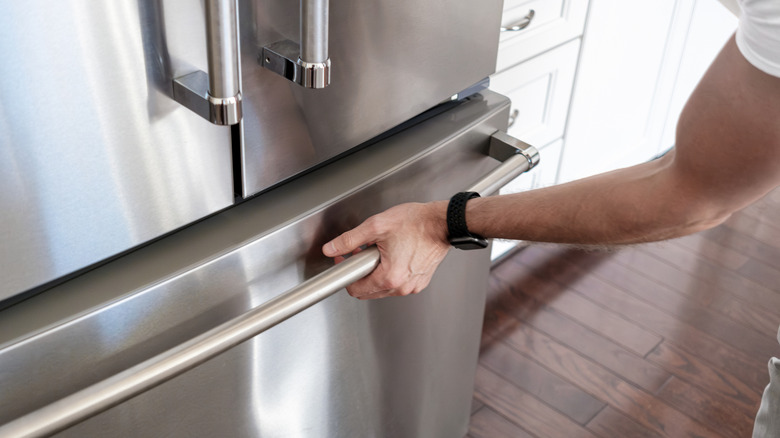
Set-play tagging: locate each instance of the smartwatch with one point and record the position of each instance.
(459, 235)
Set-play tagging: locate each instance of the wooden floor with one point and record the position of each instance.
(666, 339)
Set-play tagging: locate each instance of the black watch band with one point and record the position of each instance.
(459, 235)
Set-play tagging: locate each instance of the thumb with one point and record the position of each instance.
(347, 242)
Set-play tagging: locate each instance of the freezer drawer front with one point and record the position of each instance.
(391, 368)
(390, 61)
(95, 156)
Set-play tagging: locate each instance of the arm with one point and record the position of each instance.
(727, 156)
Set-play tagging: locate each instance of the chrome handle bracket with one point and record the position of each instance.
(516, 157)
(306, 64)
(216, 96)
(192, 91)
(282, 58)
(503, 146)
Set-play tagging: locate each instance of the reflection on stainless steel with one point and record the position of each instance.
(163, 367)
(341, 368)
(522, 24)
(314, 31)
(220, 102)
(144, 376)
(393, 61)
(95, 156)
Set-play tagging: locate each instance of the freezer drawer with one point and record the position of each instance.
(390, 368)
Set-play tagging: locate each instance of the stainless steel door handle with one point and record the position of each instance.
(306, 64)
(522, 24)
(216, 96)
(517, 158)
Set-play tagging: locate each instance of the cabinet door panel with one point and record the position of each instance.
(628, 63)
(554, 22)
(540, 90)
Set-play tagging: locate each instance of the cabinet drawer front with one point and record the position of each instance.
(554, 22)
(540, 90)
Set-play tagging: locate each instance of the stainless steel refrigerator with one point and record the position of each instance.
(170, 167)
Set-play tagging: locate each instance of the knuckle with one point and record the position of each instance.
(373, 224)
(406, 290)
(392, 282)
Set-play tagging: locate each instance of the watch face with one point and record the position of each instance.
(469, 242)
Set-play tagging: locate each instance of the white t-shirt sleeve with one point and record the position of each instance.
(758, 35)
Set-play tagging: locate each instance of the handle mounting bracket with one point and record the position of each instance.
(282, 58)
(503, 147)
(192, 91)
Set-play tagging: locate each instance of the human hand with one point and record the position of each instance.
(412, 241)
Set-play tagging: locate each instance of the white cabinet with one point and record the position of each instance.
(540, 90)
(637, 65)
(554, 22)
(711, 26)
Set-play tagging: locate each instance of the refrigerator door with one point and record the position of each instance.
(399, 367)
(391, 60)
(95, 155)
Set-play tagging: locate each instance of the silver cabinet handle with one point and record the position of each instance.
(306, 64)
(517, 158)
(216, 96)
(522, 24)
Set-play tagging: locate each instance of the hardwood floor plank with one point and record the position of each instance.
(714, 252)
(523, 408)
(749, 315)
(708, 280)
(724, 328)
(476, 405)
(628, 365)
(744, 244)
(763, 274)
(641, 406)
(707, 407)
(745, 367)
(707, 274)
(611, 423)
(766, 232)
(692, 369)
(681, 310)
(672, 302)
(488, 424)
(537, 380)
(598, 319)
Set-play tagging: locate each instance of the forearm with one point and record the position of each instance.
(638, 204)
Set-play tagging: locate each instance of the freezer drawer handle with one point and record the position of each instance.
(215, 96)
(306, 64)
(522, 24)
(517, 158)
